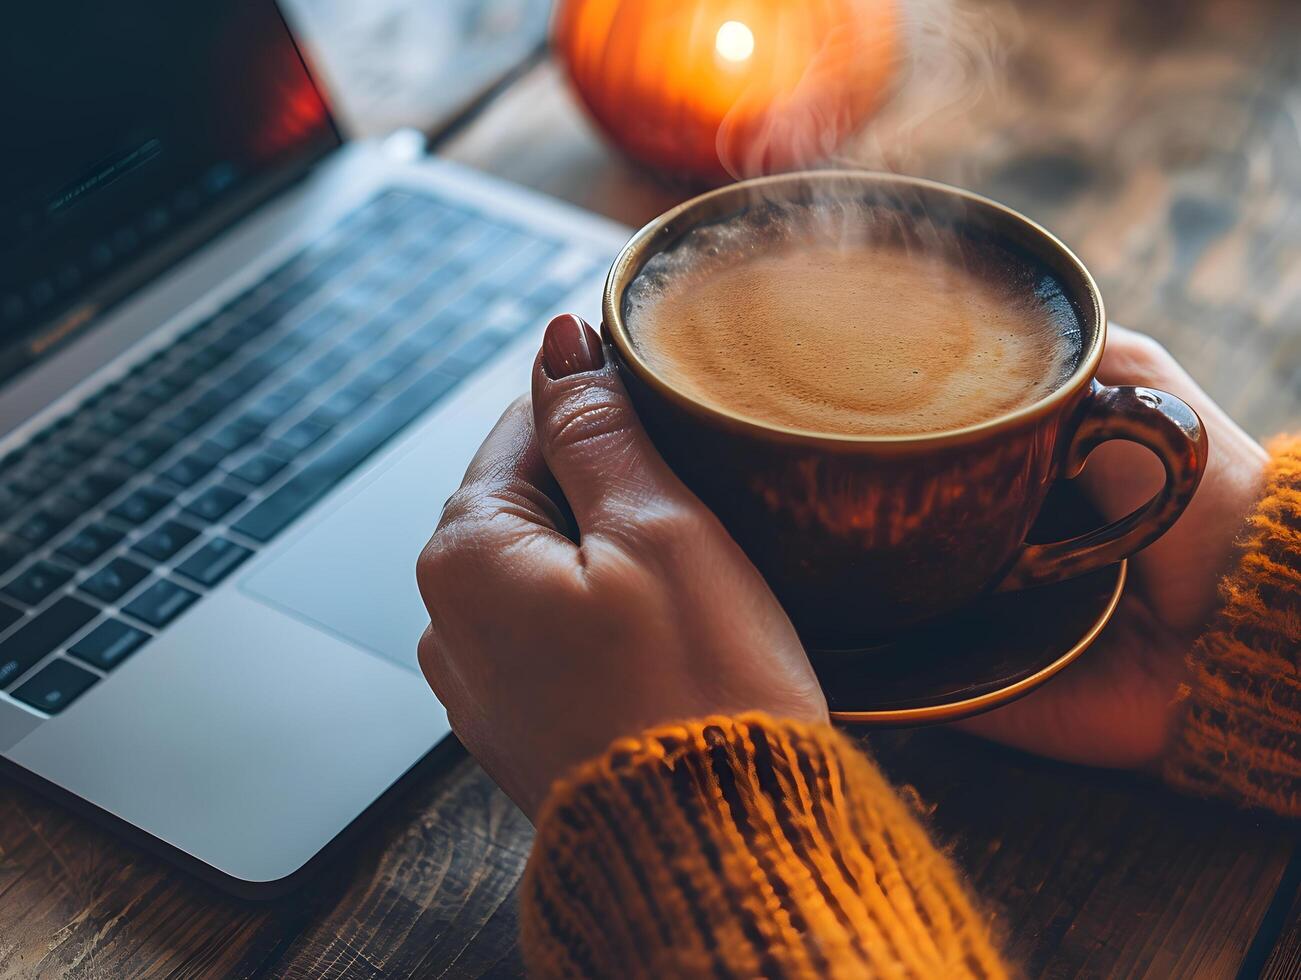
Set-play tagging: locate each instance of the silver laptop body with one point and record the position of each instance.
(257, 690)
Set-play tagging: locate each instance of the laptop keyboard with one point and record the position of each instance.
(119, 516)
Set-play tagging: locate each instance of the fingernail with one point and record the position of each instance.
(570, 346)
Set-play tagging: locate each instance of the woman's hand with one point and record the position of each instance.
(578, 592)
(1116, 705)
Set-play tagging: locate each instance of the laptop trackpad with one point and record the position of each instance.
(353, 573)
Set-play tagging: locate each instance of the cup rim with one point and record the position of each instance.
(642, 246)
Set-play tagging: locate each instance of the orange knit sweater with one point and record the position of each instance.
(748, 846)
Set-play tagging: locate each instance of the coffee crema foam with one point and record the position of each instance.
(846, 319)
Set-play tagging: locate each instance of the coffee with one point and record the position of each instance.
(848, 320)
(862, 537)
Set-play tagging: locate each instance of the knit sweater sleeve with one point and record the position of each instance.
(742, 847)
(1239, 735)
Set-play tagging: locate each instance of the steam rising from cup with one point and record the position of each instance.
(943, 56)
(719, 89)
(939, 58)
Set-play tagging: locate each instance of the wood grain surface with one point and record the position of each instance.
(1160, 140)
(1284, 962)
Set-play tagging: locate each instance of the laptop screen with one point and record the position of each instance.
(127, 129)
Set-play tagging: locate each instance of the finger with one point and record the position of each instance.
(590, 436)
(509, 477)
(503, 522)
(1179, 572)
(1112, 707)
(1120, 476)
(1133, 358)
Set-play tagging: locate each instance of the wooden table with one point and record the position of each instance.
(1161, 140)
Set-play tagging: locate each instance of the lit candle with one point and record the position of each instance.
(734, 42)
(716, 87)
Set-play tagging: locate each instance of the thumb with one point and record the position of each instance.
(591, 438)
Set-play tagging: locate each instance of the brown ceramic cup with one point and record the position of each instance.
(859, 536)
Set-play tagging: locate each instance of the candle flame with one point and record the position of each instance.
(734, 41)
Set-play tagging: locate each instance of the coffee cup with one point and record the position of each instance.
(862, 535)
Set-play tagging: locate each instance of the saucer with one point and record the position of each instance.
(988, 653)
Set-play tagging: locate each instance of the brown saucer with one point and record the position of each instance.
(987, 654)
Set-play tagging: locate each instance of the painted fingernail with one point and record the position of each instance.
(570, 346)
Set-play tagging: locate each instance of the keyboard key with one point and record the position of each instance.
(321, 322)
(160, 391)
(301, 436)
(375, 331)
(11, 503)
(208, 357)
(385, 370)
(11, 553)
(236, 435)
(474, 351)
(356, 344)
(109, 424)
(134, 409)
(41, 635)
(141, 505)
(114, 580)
(523, 268)
(84, 445)
(215, 502)
(90, 543)
(228, 342)
(144, 451)
(495, 240)
(323, 273)
(256, 470)
(322, 369)
(102, 396)
(92, 488)
(273, 406)
(8, 616)
(213, 562)
(46, 434)
(285, 348)
(190, 469)
(182, 375)
(247, 327)
(412, 349)
(61, 456)
(55, 686)
(165, 540)
(34, 585)
(343, 404)
(316, 479)
(199, 412)
(149, 367)
(108, 644)
(41, 526)
(252, 374)
(36, 481)
(159, 604)
(543, 299)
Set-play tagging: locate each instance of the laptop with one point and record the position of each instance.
(242, 365)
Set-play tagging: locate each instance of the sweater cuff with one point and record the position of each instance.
(740, 847)
(1239, 735)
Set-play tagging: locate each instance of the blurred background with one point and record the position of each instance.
(1159, 139)
(391, 64)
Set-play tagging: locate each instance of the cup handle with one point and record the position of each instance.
(1156, 419)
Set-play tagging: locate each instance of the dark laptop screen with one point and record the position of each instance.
(125, 128)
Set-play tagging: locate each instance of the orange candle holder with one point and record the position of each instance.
(711, 89)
